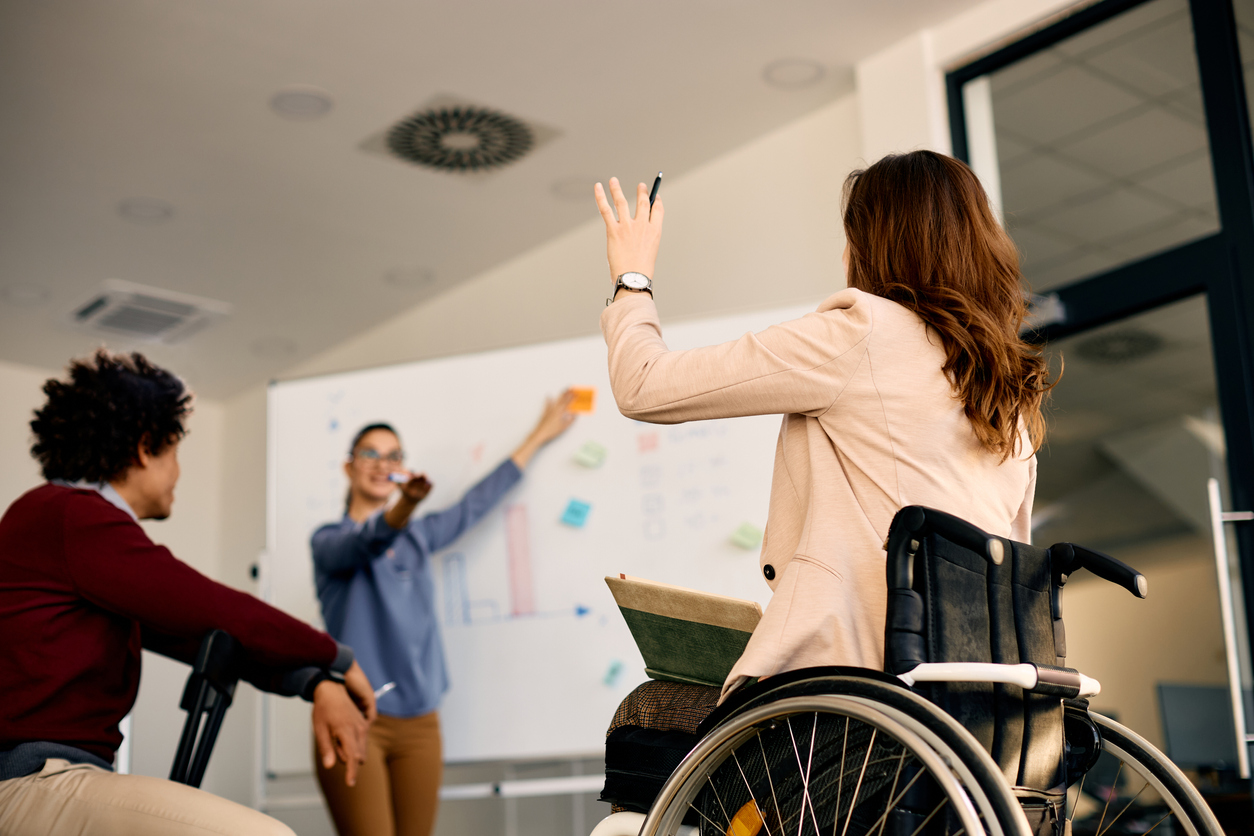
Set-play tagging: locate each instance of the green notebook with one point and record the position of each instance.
(685, 635)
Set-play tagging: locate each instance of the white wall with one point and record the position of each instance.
(20, 395)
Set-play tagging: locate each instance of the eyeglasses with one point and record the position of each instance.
(372, 456)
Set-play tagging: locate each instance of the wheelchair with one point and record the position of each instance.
(976, 726)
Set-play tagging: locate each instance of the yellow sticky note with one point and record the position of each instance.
(585, 399)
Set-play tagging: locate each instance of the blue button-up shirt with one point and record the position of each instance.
(378, 595)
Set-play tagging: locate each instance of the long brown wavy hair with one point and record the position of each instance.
(921, 233)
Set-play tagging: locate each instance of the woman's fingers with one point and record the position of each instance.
(642, 202)
(620, 199)
(604, 205)
(655, 212)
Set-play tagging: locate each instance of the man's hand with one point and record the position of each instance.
(340, 727)
(360, 690)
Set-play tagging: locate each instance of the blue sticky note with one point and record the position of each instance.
(576, 513)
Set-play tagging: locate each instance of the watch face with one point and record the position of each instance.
(635, 281)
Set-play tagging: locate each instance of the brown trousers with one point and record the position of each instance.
(65, 799)
(398, 786)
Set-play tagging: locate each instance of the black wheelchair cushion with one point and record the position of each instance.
(637, 763)
(963, 608)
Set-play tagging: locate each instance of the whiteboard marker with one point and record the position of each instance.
(398, 478)
(383, 689)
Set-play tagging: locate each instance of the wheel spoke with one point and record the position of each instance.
(714, 789)
(751, 795)
(767, 766)
(814, 816)
(713, 823)
(1078, 793)
(1160, 821)
(883, 820)
(930, 816)
(858, 787)
(1124, 810)
(1114, 785)
(840, 776)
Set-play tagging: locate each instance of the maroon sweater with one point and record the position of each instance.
(82, 589)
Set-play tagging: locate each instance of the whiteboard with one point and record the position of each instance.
(539, 657)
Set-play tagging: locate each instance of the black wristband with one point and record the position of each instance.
(322, 675)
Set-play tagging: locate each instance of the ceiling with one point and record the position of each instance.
(309, 234)
(1102, 146)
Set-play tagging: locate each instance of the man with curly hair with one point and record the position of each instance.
(83, 589)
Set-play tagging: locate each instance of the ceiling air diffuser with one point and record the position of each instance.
(146, 314)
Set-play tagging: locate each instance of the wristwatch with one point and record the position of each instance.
(632, 281)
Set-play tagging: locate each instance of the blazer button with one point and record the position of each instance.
(769, 571)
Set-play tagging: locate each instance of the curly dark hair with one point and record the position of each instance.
(91, 426)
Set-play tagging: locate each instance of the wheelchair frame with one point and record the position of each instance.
(980, 798)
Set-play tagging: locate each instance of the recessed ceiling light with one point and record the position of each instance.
(793, 73)
(273, 347)
(574, 188)
(409, 277)
(24, 295)
(301, 103)
(145, 210)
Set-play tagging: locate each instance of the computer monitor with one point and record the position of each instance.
(1197, 725)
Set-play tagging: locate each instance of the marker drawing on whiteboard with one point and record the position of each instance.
(612, 673)
(383, 689)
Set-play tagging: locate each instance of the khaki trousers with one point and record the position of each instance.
(398, 787)
(68, 799)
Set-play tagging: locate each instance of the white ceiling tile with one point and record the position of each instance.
(1158, 60)
(1039, 246)
(1043, 181)
(1192, 182)
(1004, 81)
(1061, 104)
(1011, 150)
(1116, 213)
(1131, 24)
(1180, 230)
(1059, 273)
(1153, 137)
(1187, 103)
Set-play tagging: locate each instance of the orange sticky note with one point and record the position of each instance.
(585, 399)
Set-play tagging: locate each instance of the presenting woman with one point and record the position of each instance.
(373, 575)
(911, 386)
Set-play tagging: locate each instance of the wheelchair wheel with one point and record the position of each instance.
(1134, 788)
(828, 765)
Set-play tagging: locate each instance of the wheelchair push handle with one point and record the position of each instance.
(914, 522)
(1068, 557)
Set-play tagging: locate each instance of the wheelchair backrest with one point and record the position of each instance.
(961, 606)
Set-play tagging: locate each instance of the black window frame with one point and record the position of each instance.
(1220, 265)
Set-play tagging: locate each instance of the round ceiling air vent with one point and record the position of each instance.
(460, 139)
(1120, 346)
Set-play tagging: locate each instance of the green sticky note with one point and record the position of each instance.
(747, 536)
(590, 454)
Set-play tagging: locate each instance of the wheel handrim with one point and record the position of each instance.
(724, 744)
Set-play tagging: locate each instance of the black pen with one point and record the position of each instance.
(657, 181)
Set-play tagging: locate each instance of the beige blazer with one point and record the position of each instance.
(871, 424)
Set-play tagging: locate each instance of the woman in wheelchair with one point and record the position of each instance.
(910, 389)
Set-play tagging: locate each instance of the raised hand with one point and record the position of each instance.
(631, 241)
